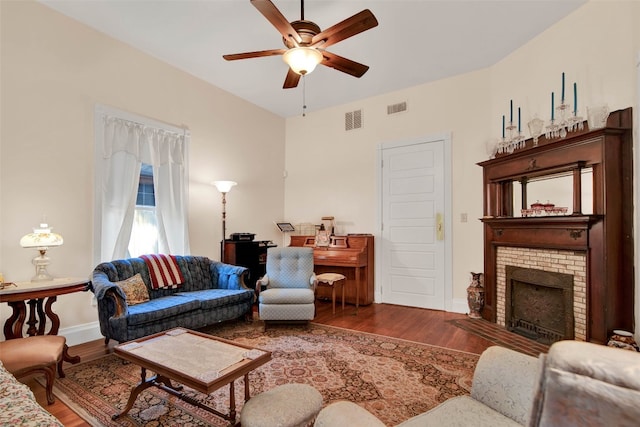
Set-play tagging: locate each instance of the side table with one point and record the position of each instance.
(40, 296)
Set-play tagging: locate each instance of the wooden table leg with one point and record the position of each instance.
(333, 296)
(357, 289)
(143, 385)
(232, 403)
(247, 393)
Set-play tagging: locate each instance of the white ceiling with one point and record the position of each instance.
(416, 41)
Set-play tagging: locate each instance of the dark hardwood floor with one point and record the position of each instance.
(414, 324)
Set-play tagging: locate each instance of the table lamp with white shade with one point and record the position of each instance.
(42, 238)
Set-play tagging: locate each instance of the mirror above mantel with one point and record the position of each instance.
(556, 189)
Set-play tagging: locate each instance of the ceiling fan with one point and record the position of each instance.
(305, 42)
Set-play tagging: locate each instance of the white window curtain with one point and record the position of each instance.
(126, 144)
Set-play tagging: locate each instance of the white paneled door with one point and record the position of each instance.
(413, 212)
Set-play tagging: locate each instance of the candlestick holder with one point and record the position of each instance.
(552, 130)
(576, 122)
(563, 123)
(513, 140)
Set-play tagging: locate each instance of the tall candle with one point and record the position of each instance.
(518, 119)
(552, 109)
(575, 99)
(503, 126)
(563, 87)
(511, 111)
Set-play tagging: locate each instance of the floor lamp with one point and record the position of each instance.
(224, 187)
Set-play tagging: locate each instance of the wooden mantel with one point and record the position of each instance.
(606, 236)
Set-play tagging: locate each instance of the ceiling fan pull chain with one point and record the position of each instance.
(304, 96)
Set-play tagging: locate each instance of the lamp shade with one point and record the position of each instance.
(224, 186)
(302, 60)
(42, 237)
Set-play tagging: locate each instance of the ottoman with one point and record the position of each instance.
(288, 405)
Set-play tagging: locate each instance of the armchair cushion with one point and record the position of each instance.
(287, 296)
(290, 267)
(510, 395)
(586, 384)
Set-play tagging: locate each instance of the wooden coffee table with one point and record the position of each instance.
(200, 361)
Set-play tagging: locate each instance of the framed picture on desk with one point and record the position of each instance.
(285, 227)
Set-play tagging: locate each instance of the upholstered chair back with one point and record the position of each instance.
(289, 267)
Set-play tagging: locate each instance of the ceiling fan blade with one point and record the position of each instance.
(257, 54)
(277, 19)
(349, 27)
(291, 80)
(343, 64)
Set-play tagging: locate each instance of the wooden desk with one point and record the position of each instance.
(356, 262)
(38, 295)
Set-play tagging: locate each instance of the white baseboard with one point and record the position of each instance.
(457, 305)
(81, 334)
(460, 306)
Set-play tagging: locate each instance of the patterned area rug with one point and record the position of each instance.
(394, 379)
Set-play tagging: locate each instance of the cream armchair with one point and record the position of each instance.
(290, 285)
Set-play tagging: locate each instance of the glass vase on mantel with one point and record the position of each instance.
(475, 295)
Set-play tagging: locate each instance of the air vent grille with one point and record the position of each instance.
(353, 120)
(397, 108)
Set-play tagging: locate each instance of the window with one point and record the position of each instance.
(144, 231)
(141, 186)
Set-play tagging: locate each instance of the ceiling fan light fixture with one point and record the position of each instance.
(302, 60)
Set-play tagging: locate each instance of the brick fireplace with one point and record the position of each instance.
(568, 263)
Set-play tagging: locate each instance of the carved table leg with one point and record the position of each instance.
(143, 385)
(13, 325)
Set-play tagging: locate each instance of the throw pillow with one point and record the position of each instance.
(134, 289)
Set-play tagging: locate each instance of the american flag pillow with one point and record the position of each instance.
(164, 271)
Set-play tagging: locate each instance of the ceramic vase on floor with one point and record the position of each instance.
(475, 295)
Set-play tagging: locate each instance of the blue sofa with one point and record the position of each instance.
(212, 292)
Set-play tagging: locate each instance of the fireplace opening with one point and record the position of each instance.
(539, 304)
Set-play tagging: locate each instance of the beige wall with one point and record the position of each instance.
(54, 71)
(333, 172)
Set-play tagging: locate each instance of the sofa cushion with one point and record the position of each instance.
(460, 411)
(211, 298)
(160, 308)
(134, 289)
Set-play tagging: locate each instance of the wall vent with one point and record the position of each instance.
(353, 120)
(397, 108)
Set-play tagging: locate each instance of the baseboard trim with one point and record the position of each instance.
(81, 334)
(460, 306)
